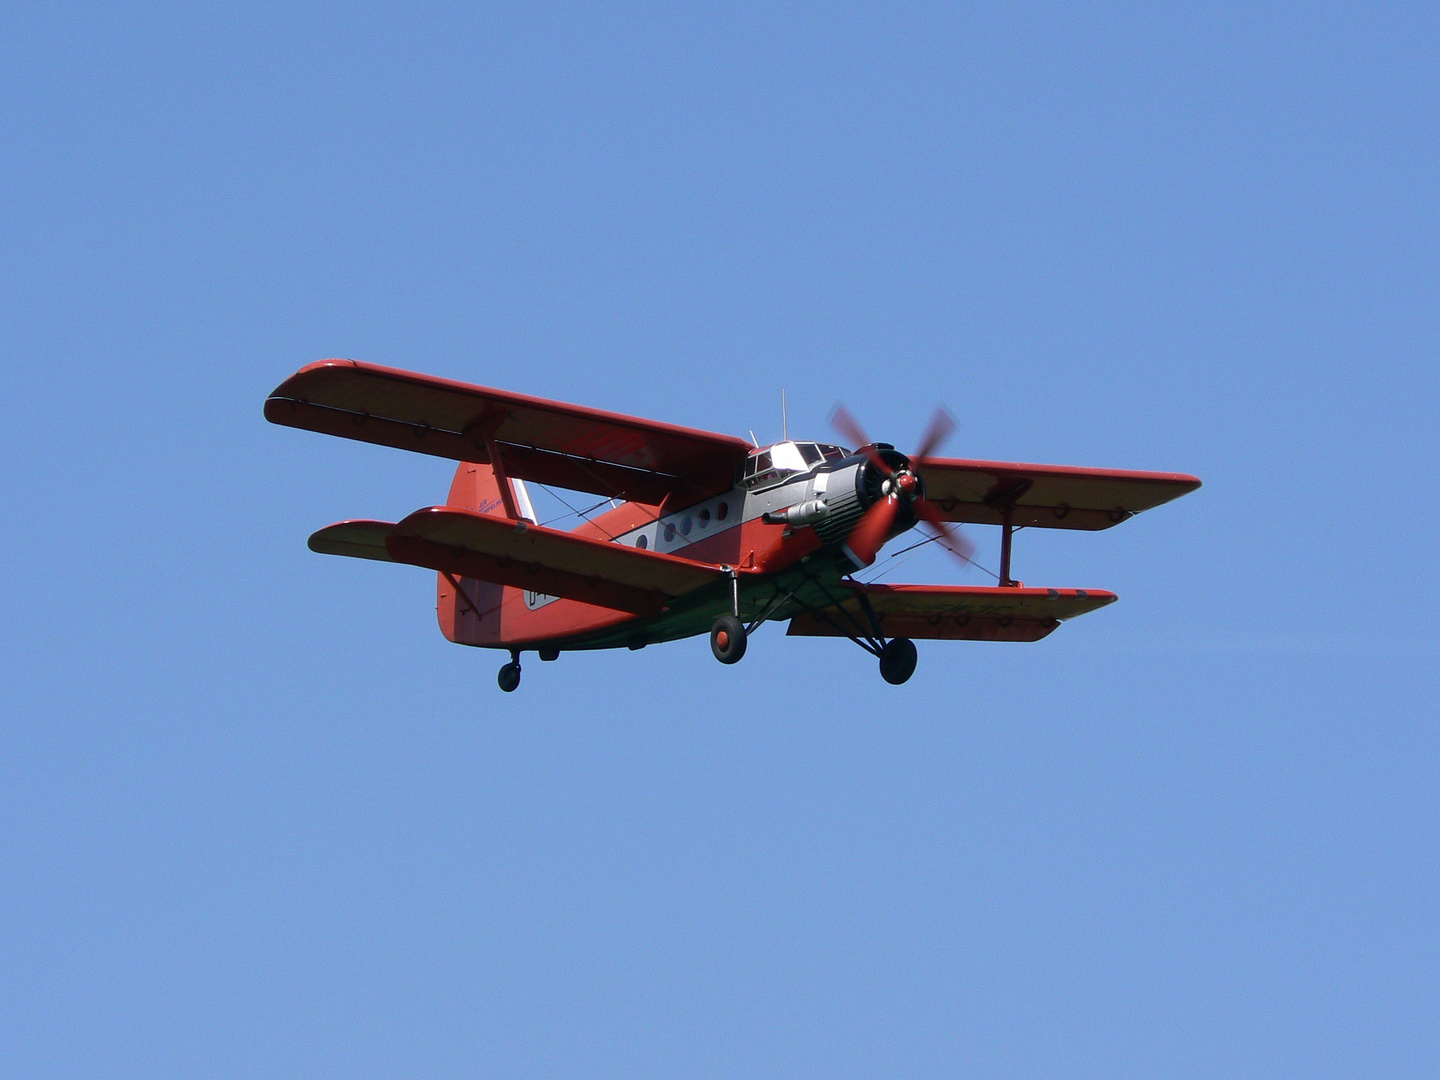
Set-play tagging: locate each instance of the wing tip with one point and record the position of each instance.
(360, 538)
(284, 391)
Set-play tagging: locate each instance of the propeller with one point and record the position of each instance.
(845, 423)
(901, 487)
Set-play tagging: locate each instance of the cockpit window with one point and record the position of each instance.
(785, 459)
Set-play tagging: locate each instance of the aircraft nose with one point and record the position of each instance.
(887, 470)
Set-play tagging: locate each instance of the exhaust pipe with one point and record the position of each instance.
(806, 513)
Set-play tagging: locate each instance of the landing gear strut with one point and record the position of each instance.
(897, 656)
(727, 639)
(509, 677)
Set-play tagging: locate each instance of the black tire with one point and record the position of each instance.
(509, 678)
(897, 661)
(727, 639)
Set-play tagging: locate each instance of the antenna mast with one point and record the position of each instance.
(784, 420)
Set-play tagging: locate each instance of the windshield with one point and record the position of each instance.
(785, 459)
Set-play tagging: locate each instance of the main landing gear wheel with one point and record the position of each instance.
(727, 639)
(897, 660)
(509, 677)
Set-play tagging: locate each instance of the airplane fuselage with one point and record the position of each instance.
(737, 528)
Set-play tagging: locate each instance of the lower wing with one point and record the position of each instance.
(510, 552)
(953, 612)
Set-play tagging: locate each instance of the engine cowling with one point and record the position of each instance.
(858, 484)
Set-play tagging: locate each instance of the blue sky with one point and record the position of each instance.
(258, 818)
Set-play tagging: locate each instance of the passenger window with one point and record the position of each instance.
(811, 453)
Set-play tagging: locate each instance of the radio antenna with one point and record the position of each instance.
(784, 420)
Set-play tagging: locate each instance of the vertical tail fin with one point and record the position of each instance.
(472, 616)
(476, 487)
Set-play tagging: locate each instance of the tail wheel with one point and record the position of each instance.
(897, 660)
(509, 677)
(727, 639)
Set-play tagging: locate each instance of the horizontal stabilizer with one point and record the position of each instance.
(1046, 496)
(357, 539)
(954, 612)
(548, 561)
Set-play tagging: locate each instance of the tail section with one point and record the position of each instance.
(476, 487)
(471, 616)
(474, 612)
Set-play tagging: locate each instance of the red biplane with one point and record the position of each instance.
(704, 531)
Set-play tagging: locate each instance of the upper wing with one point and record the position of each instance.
(1047, 496)
(546, 560)
(968, 612)
(549, 442)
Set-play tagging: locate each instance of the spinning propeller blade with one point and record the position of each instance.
(871, 531)
(850, 429)
(942, 424)
(863, 543)
(951, 538)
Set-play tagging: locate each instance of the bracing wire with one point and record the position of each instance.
(894, 561)
(583, 515)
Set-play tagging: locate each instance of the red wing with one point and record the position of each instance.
(546, 560)
(546, 441)
(1046, 496)
(957, 612)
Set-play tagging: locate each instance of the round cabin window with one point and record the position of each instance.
(704, 517)
(669, 533)
(642, 542)
(685, 525)
(722, 510)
